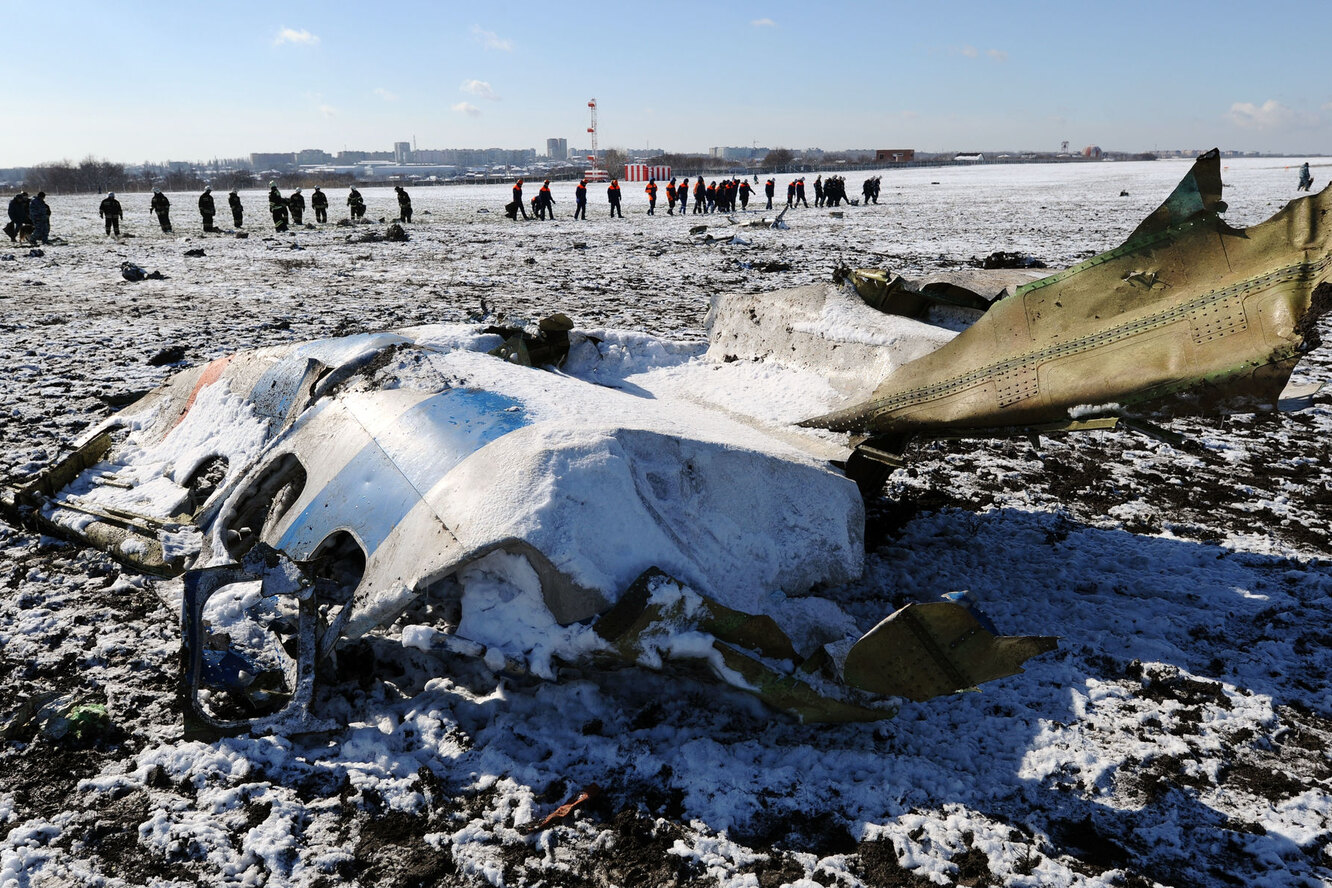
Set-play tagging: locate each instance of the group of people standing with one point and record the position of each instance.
(285, 211)
(710, 197)
(29, 218)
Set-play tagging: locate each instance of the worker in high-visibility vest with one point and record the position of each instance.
(651, 190)
(613, 195)
(545, 201)
(580, 200)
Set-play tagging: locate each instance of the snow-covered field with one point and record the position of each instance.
(1180, 735)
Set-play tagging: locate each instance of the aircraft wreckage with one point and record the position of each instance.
(437, 483)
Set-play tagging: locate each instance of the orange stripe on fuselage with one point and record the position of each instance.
(212, 373)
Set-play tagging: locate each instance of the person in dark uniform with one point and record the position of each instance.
(162, 207)
(237, 211)
(39, 214)
(296, 206)
(745, 191)
(818, 191)
(318, 203)
(518, 196)
(356, 204)
(404, 205)
(110, 210)
(207, 209)
(700, 196)
(545, 201)
(770, 188)
(1306, 179)
(580, 200)
(613, 195)
(800, 192)
(670, 197)
(18, 215)
(277, 206)
(682, 195)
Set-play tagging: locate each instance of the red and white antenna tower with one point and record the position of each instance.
(594, 174)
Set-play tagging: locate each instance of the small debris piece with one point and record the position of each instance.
(172, 354)
(1005, 259)
(563, 811)
(197, 251)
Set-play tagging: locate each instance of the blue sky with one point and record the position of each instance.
(190, 81)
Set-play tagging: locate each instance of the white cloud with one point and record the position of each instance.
(328, 111)
(386, 95)
(764, 23)
(480, 89)
(467, 108)
(972, 52)
(291, 35)
(491, 40)
(1269, 115)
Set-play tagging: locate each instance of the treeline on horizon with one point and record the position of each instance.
(92, 176)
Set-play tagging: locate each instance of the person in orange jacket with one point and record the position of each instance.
(670, 197)
(613, 195)
(700, 196)
(651, 190)
(545, 201)
(580, 200)
(518, 197)
(745, 191)
(770, 188)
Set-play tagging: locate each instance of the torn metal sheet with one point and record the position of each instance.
(1188, 316)
(969, 288)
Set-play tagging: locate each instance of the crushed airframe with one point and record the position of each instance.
(330, 515)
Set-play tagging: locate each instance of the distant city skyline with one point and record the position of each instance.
(166, 81)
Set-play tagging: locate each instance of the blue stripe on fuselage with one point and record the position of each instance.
(405, 459)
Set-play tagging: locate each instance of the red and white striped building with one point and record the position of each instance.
(641, 172)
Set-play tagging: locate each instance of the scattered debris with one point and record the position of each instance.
(133, 273)
(36, 253)
(56, 717)
(172, 354)
(1003, 259)
(197, 251)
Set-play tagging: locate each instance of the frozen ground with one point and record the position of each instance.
(1179, 736)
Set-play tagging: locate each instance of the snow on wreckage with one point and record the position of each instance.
(434, 481)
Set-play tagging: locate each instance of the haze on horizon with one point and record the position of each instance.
(171, 81)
